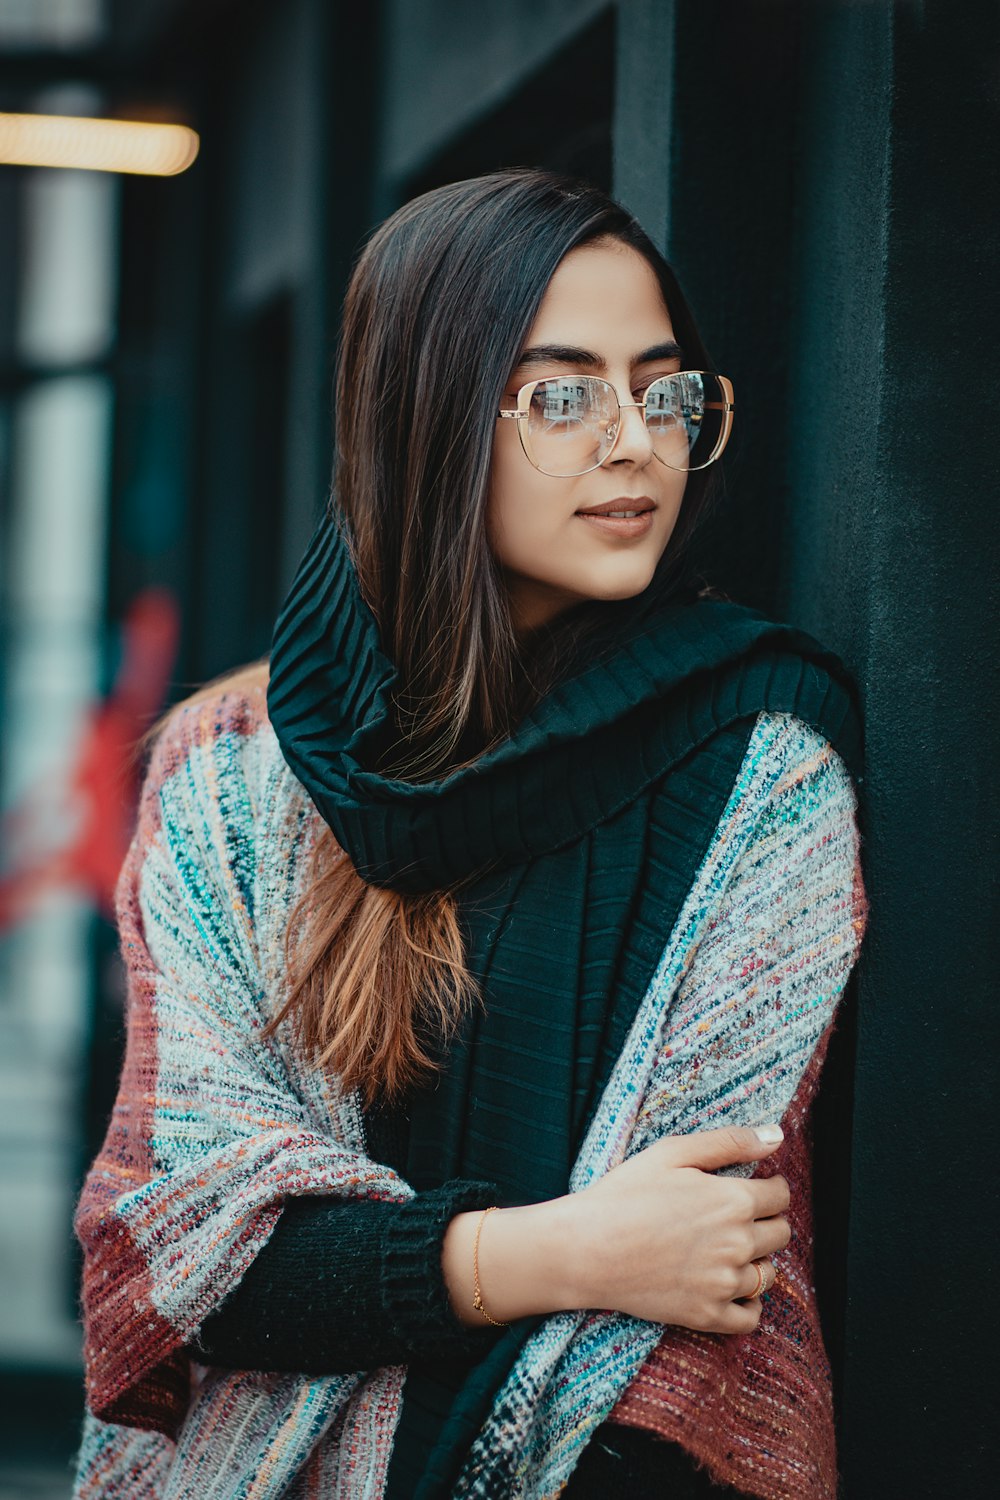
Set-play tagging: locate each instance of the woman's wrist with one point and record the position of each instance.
(527, 1261)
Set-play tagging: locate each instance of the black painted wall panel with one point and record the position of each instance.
(919, 1392)
(893, 552)
(830, 173)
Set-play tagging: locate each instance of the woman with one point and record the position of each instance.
(477, 949)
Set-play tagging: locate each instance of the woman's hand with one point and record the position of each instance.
(659, 1237)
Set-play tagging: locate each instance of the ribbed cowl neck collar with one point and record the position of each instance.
(672, 674)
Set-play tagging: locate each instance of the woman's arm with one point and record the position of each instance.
(345, 1284)
(587, 1250)
(660, 1236)
(301, 1309)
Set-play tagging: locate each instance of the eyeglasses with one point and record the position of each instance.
(569, 424)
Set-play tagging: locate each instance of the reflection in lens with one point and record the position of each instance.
(571, 424)
(684, 416)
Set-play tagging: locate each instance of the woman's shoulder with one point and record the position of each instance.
(232, 705)
(215, 752)
(791, 770)
(220, 806)
(815, 811)
(806, 813)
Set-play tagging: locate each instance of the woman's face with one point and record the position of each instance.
(605, 302)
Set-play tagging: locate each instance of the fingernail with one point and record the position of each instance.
(769, 1133)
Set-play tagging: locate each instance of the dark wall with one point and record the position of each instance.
(910, 521)
(825, 196)
(556, 116)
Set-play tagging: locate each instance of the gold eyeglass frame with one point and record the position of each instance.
(727, 406)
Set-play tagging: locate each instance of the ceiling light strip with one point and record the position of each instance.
(96, 145)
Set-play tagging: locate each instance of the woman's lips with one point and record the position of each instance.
(621, 526)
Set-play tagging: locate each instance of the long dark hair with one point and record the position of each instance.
(440, 301)
(439, 305)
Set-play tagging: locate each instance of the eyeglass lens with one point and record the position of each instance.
(573, 420)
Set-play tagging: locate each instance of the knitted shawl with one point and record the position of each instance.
(717, 1008)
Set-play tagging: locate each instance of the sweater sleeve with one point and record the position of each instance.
(346, 1285)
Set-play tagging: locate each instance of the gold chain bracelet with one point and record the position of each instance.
(477, 1300)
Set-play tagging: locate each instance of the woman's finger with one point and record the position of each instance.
(770, 1235)
(738, 1317)
(754, 1286)
(771, 1195)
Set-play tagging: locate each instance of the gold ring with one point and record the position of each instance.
(761, 1278)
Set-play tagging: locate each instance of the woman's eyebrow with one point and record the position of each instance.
(570, 354)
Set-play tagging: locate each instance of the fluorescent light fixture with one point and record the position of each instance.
(96, 145)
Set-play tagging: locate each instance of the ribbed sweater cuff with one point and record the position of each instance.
(413, 1288)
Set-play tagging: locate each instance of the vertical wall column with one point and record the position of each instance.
(824, 197)
(896, 544)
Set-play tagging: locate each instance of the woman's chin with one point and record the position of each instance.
(620, 582)
(537, 601)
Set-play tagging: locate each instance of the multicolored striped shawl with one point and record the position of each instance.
(727, 1020)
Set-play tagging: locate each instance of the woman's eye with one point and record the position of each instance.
(641, 391)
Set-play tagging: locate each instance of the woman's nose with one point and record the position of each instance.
(634, 441)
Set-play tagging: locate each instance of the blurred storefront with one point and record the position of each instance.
(166, 363)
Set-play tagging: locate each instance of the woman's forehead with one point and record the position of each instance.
(605, 302)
